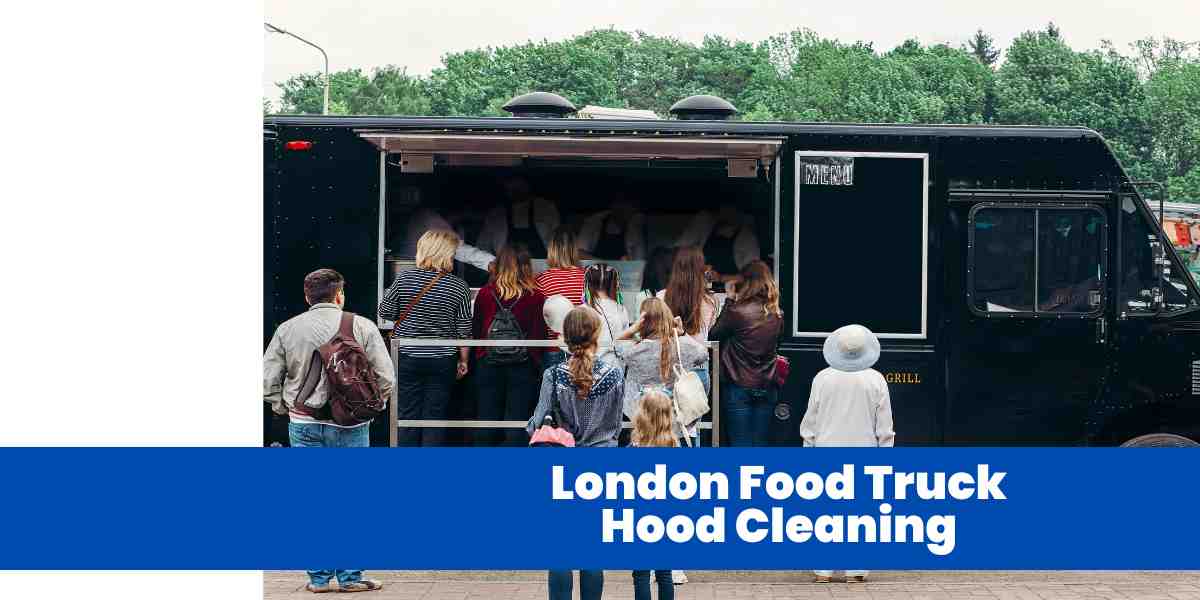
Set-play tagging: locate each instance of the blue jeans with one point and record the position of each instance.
(551, 358)
(747, 413)
(591, 584)
(641, 585)
(317, 435)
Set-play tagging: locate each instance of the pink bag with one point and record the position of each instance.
(550, 434)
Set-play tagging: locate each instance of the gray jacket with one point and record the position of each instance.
(287, 357)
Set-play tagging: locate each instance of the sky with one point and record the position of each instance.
(373, 33)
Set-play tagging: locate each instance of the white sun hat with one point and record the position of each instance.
(555, 310)
(851, 348)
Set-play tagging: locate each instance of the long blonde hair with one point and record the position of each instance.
(758, 285)
(514, 275)
(581, 332)
(658, 324)
(652, 424)
(435, 250)
(564, 250)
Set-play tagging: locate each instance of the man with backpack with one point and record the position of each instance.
(330, 373)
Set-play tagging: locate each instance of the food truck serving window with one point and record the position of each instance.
(1036, 260)
(861, 243)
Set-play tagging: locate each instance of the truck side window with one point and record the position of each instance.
(1070, 254)
(1003, 261)
(1037, 260)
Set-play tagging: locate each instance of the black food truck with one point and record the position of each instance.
(1022, 287)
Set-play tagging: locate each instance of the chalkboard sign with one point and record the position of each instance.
(861, 235)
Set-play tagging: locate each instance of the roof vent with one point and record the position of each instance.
(541, 105)
(703, 108)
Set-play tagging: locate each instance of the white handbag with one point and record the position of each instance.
(689, 399)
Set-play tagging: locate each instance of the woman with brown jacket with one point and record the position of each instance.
(748, 328)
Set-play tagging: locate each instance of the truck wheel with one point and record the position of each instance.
(1160, 440)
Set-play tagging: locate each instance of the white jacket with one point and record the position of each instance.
(848, 409)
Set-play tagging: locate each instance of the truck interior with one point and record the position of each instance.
(464, 178)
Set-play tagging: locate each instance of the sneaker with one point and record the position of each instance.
(856, 578)
(362, 585)
(678, 577)
(318, 589)
(822, 579)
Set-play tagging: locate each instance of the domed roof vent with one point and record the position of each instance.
(540, 104)
(703, 108)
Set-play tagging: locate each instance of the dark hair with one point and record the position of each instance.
(687, 291)
(657, 271)
(323, 285)
(601, 277)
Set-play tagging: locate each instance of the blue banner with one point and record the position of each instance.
(518, 508)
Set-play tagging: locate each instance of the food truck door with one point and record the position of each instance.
(1027, 352)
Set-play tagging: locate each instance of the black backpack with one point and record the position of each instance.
(505, 327)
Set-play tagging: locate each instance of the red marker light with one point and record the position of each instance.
(298, 145)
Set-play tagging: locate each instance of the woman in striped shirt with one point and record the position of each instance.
(563, 278)
(431, 303)
(564, 275)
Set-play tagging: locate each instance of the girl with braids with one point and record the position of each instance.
(650, 360)
(588, 390)
(601, 293)
(588, 393)
(652, 429)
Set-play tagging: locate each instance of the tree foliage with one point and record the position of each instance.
(1145, 102)
(983, 47)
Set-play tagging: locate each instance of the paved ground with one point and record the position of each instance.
(780, 585)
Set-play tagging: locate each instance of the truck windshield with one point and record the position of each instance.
(1140, 277)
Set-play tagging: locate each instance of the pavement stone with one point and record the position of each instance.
(780, 585)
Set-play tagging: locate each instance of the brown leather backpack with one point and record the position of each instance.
(354, 396)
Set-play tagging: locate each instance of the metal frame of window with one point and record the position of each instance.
(1037, 207)
(924, 158)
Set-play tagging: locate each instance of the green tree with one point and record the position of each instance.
(303, 94)
(1044, 82)
(1173, 100)
(816, 79)
(603, 66)
(1186, 187)
(983, 48)
(387, 91)
(951, 75)
(730, 69)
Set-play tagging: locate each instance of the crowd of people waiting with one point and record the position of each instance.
(611, 369)
(672, 328)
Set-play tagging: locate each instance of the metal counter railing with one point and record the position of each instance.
(396, 423)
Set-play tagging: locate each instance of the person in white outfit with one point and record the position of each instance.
(849, 404)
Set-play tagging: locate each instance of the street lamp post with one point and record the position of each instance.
(325, 101)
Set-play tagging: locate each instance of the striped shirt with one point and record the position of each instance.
(444, 312)
(567, 281)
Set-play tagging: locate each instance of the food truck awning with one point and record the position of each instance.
(576, 146)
